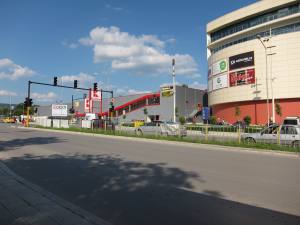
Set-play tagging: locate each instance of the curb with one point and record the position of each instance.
(177, 143)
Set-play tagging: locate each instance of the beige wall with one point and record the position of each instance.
(285, 69)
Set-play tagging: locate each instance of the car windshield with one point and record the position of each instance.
(270, 130)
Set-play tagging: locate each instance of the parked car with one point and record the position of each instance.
(292, 120)
(240, 124)
(286, 134)
(161, 128)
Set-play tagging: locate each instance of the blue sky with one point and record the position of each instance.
(126, 46)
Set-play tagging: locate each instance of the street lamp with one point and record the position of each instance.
(174, 90)
(267, 80)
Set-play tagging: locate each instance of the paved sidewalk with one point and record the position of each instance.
(23, 203)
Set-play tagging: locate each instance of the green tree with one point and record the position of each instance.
(237, 112)
(247, 120)
(278, 109)
(213, 120)
(182, 120)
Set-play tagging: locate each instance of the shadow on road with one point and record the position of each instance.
(133, 193)
(17, 143)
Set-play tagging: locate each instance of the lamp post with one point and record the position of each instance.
(267, 79)
(174, 90)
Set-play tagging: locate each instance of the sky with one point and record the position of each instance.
(125, 46)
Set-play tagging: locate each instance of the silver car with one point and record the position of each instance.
(161, 128)
(285, 134)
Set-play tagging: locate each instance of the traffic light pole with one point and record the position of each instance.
(45, 84)
(28, 106)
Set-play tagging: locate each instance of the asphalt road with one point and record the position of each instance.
(136, 182)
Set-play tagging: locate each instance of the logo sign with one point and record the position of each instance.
(96, 95)
(205, 113)
(166, 91)
(241, 60)
(59, 110)
(87, 104)
(220, 81)
(219, 67)
(242, 77)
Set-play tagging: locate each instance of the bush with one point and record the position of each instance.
(213, 120)
(247, 120)
(182, 120)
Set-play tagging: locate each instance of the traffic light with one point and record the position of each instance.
(75, 83)
(95, 86)
(55, 81)
(72, 110)
(28, 102)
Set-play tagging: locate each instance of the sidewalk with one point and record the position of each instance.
(23, 203)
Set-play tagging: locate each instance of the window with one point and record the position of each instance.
(276, 31)
(264, 18)
(288, 130)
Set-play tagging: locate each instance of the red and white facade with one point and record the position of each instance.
(237, 73)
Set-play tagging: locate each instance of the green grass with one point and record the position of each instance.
(183, 139)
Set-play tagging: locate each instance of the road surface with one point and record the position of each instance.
(139, 182)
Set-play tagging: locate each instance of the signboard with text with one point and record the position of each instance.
(219, 67)
(59, 110)
(242, 77)
(96, 95)
(220, 81)
(87, 105)
(242, 60)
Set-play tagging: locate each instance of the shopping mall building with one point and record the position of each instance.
(254, 55)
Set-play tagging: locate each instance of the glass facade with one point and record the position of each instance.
(264, 18)
(276, 31)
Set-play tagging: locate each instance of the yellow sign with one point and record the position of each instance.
(166, 91)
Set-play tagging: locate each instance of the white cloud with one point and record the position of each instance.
(143, 54)
(70, 45)
(7, 93)
(108, 6)
(12, 71)
(49, 97)
(84, 79)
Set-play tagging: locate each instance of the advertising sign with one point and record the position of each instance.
(242, 60)
(87, 104)
(219, 67)
(166, 91)
(96, 95)
(59, 110)
(205, 113)
(220, 81)
(242, 77)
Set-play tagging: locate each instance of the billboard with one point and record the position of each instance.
(166, 91)
(219, 67)
(87, 104)
(96, 95)
(59, 110)
(220, 81)
(242, 77)
(242, 60)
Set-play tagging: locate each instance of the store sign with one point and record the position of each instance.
(242, 77)
(166, 91)
(59, 110)
(220, 81)
(219, 67)
(96, 95)
(87, 105)
(241, 60)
